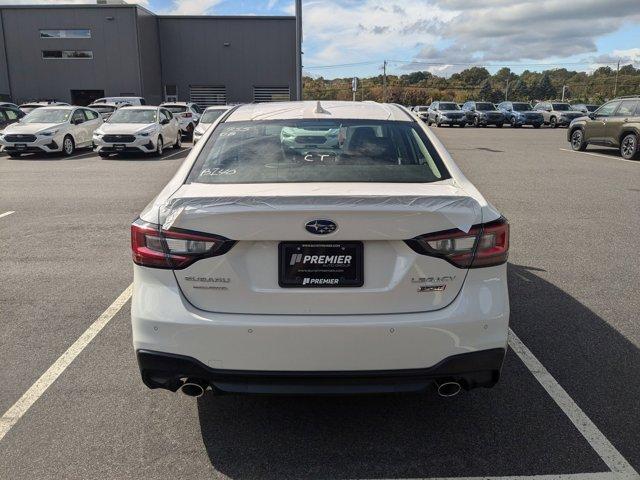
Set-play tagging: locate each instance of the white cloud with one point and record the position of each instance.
(191, 7)
(459, 31)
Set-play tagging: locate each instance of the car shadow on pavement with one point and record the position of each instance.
(513, 429)
(80, 154)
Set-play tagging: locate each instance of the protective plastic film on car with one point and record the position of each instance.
(461, 210)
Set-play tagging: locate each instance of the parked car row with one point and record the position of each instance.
(516, 114)
(109, 126)
(615, 124)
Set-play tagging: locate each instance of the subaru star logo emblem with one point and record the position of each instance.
(321, 227)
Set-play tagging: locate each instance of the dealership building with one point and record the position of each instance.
(77, 53)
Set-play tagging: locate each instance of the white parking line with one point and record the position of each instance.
(601, 155)
(24, 403)
(602, 446)
(177, 153)
(6, 214)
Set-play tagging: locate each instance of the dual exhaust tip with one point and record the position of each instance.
(193, 387)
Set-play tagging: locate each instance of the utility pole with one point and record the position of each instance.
(506, 91)
(615, 86)
(384, 82)
(298, 49)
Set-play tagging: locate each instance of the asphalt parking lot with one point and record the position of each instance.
(567, 405)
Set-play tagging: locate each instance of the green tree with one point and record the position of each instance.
(544, 89)
(486, 92)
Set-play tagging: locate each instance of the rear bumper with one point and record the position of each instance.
(164, 321)
(471, 370)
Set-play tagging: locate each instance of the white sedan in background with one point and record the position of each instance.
(140, 129)
(266, 266)
(51, 129)
(208, 118)
(188, 115)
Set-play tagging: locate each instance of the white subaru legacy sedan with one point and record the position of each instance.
(51, 130)
(367, 264)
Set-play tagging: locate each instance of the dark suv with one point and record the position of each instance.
(518, 114)
(615, 124)
(481, 114)
(445, 113)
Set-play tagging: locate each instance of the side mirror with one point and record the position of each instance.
(592, 115)
(164, 121)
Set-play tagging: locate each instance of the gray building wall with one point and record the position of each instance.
(149, 55)
(114, 67)
(137, 53)
(261, 52)
(5, 91)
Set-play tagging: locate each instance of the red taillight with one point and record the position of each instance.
(174, 249)
(187, 115)
(483, 246)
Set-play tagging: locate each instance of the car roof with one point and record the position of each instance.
(182, 104)
(319, 110)
(108, 104)
(60, 107)
(219, 107)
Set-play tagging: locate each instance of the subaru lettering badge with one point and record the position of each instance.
(321, 227)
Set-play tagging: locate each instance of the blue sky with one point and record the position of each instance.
(442, 36)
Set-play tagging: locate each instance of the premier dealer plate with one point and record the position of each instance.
(320, 264)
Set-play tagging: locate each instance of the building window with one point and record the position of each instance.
(271, 94)
(67, 54)
(74, 33)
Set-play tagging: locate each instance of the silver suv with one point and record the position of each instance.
(557, 114)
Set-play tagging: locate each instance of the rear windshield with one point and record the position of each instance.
(175, 108)
(448, 106)
(133, 116)
(103, 108)
(283, 151)
(211, 116)
(562, 107)
(521, 107)
(47, 115)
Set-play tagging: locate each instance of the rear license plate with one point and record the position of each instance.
(119, 146)
(320, 264)
(20, 146)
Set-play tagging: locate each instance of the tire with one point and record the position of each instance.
(428, 122)
(68, 146)
(498, 125)
(553, 122)
(462, 125)
(476, 122)
(513, 122)
(537, 125)
(577, 141)
(14, 154)
(190, 129)
(159, 148)
(629, 147)
(438, 124)
(178, 144)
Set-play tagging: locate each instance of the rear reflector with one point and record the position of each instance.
(174, 249)
(483, 246)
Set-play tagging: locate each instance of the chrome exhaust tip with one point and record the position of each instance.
(449, 389)
(193, 388)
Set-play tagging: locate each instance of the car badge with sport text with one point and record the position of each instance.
(321, 227)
